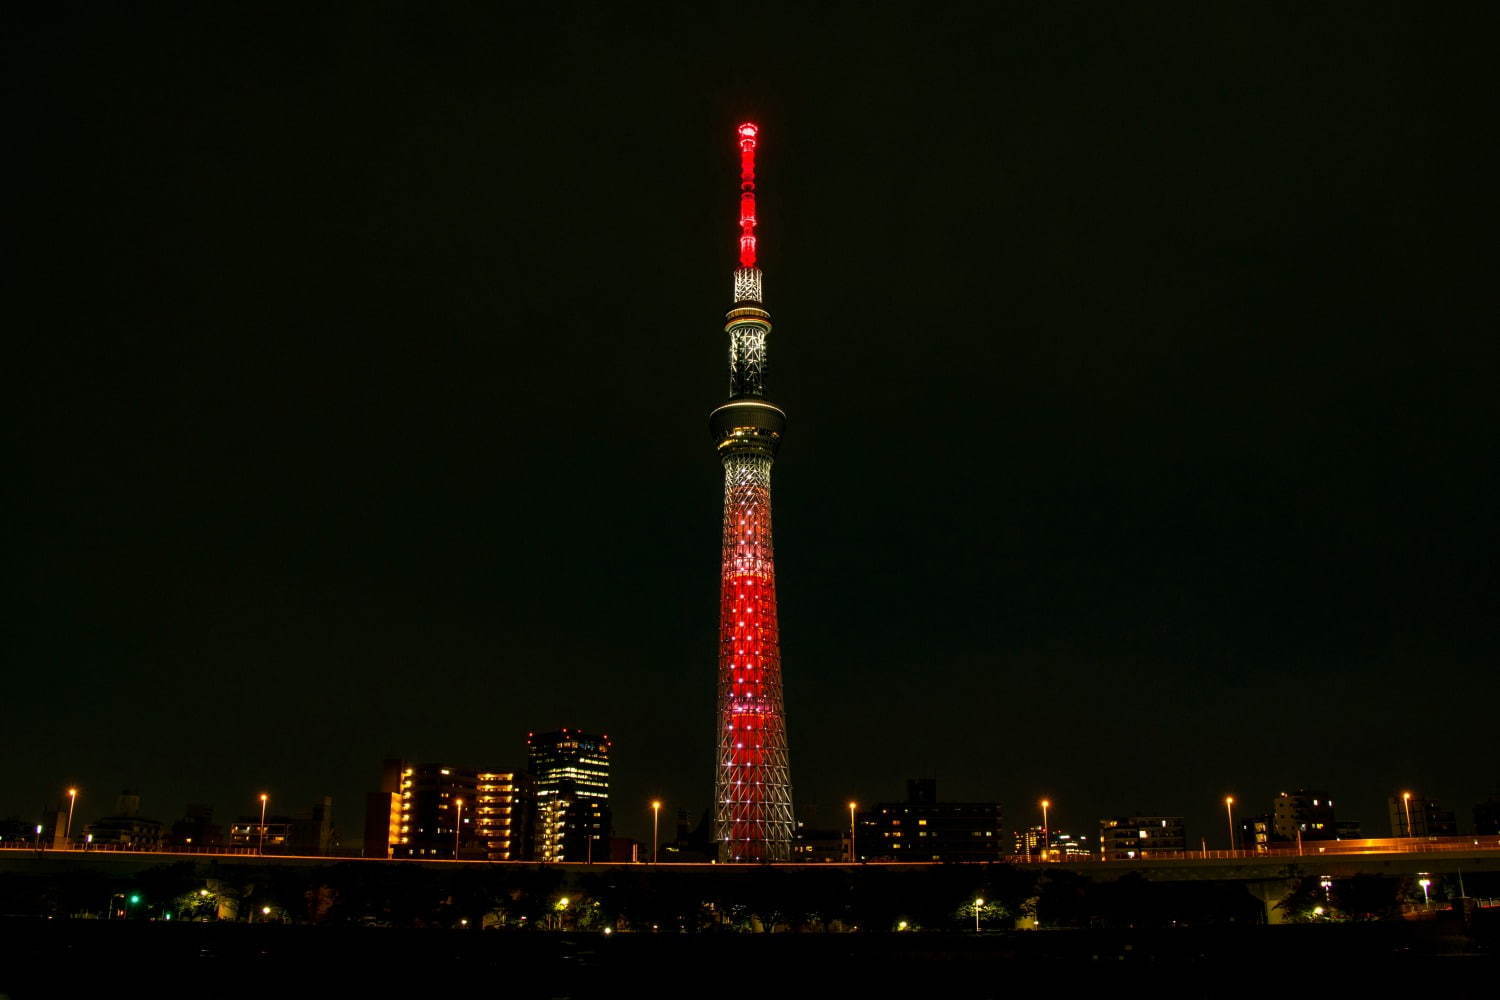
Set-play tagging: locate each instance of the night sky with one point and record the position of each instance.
(1140, 367)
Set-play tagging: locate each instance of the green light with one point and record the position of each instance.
(135, 897)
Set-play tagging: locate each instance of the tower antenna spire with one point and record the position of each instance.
(748, 133)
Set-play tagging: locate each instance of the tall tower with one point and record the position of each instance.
(753, 785)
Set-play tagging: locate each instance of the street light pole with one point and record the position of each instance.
(264, 798)
(655, 827)
(853, 857)
(1406, 800)
(458, 824)
(977, 904)
(72, 801)
(1046, 833)
(1229, 808)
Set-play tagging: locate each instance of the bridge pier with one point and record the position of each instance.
(1270, 892)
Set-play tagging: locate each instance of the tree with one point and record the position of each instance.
(1368, 897)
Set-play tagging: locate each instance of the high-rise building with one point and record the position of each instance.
(1306, 813)
(415, 812)
(1428, 817)
(569, 774)
(1066, 847)
(382, 822)
(924, 829)
(752, 780)
(1027, 843)
(1062, 846)
(1132, 838)
(503, 815)
(433, 797)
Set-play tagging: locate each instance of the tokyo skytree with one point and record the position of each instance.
(753, 785)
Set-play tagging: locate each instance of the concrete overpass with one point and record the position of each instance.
(1338, 859)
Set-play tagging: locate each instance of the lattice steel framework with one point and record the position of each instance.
(752, 788)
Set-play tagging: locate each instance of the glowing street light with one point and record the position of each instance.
(1229, 808)
(852, 856)
(264, 798)
(1406, 801)
(72, 801)
(458, 823)
(1425, 883)
(978, 903)
(655, 826)
(1046, 838)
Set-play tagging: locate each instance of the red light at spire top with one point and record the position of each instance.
(747, 135)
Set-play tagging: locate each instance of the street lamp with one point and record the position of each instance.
(1406, 801)
(1046, 839)
(72, 801)
(458, 822)
(852, 856)
(1424, 883)
(655, 826)
(1229, 808)
(264, 798)
(977, 904)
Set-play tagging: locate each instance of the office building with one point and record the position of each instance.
(569, 775)
(1134, 838)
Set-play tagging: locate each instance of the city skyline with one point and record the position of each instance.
(1143, 411)
(1256, 823)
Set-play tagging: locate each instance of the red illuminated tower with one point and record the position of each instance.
(753, 787)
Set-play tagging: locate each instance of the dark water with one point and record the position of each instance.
(54, 959)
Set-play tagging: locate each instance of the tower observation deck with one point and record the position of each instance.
(752, 784)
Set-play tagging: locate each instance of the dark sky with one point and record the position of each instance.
(1141, 372)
